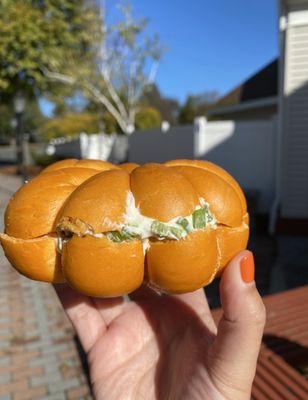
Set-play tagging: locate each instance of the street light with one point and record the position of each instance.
(19, 108)
(19, 103)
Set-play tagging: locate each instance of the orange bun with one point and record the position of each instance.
(129, 167)
(103, 195)
(104, 268)
(32, 210)
(74, 163)
(34, 258)
(230, 242)
(216, 169)
(184, 265)
(83, 206)
(161, 193)
(222, 198)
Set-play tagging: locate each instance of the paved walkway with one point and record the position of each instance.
(38, 353)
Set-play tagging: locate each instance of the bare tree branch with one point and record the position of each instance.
(120, 68)
(153, 72)
(131, 89)
(56, 76)
(114, 95)
(104, 100)
(144, 83)
(132, 114)
(104, 69)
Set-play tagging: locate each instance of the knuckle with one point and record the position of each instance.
(80, 314)
(257, 313)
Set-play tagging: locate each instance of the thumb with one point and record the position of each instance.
(235, 350)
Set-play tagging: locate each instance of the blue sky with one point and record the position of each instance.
(212, 44)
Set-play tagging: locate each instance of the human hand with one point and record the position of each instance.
(168, 347)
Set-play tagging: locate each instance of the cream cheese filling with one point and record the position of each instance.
(138, 226)
(177, 228)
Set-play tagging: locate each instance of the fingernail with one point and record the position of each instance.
(248, 268)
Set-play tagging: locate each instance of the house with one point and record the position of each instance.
(281, 89)
(255, 98)
(292, 169)
(258, 131)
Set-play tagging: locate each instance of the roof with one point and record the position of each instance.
(261, 89)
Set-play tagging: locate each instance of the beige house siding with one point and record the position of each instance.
(294, 111)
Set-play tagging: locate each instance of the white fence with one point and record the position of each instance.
(159, 146)
(98, 146)
(246, 149)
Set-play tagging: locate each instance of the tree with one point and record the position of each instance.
(167, 107)
(188, 112)
(126, 66)
(148, 118)
(196, 105)
(42, 35)
(6, 128)
(32, 120)
(70, 125)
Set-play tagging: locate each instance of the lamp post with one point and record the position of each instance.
(19, 108)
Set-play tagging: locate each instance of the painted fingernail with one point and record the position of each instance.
(248, 268)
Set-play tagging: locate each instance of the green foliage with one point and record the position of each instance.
(61, 47)
(126, 64)
(42, 159)
(70, 125)
(148, 118)
(52, 34)
(188, 112)
(168, 107)
(109, 123)
(6, 129)
(32, 119)
(197, 105)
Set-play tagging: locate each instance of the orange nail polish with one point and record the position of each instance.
(248, 268)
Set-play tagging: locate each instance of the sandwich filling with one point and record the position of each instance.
(138, 226)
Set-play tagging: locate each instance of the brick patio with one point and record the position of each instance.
(38, 353)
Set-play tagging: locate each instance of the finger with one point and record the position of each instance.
(198, 302)
(235, 350)
(194, 300)
(144, 292)
(86, 319)
(109, 308)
